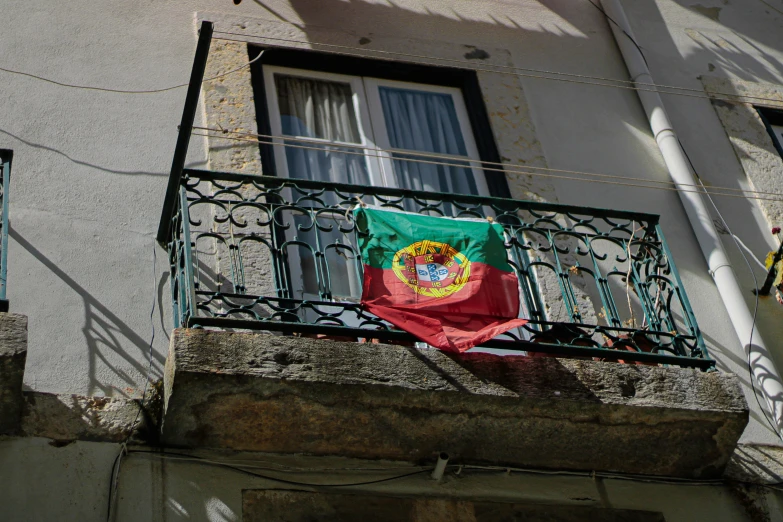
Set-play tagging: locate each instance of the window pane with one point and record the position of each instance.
(423, 121)
(426, 122)
(339, 274)
(322, 110)
(317, 109)
(324, 163)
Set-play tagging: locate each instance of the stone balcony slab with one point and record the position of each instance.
(269, 393)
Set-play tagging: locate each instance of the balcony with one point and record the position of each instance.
(273, 352)
(274, 254)
(323, 376)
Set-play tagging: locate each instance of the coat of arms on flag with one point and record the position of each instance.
(447, 281)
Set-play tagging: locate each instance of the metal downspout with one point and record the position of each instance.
(763, 370)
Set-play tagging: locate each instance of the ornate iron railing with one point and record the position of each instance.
(6, 157)
(254, 252)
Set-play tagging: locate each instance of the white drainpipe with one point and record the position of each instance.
(763, 370)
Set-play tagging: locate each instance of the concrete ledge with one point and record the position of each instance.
(278, 394)
(66, 418)
(13, 355)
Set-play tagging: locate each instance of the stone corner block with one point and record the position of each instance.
(281, 394)
(75, 417)
(13, 355)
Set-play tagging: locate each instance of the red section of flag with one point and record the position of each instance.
(485, 307)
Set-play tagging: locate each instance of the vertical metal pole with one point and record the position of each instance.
(5, 157)
(188, 276)
(185, 129)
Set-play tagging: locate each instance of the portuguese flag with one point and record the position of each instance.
(445, 280)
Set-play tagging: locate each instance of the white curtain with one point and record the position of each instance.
(320, 109)
(426, 122)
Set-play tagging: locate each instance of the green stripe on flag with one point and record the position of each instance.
(384, 232)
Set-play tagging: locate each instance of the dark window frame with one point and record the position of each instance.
(771, 117)
(464, 80)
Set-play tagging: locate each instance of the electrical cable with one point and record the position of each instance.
(633, 85)
(750, 252)
(240, 469)
(254, 464)
(525, 169)
(124, 91)
(486, 169)
(771, 6)
(425, 469)
(152, 341)
(590, 474)
(114, 480)
(623, 30)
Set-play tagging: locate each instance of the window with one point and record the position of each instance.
(341, 127)
(773, 121)
(377, 105)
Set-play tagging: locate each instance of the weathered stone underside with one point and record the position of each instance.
(269, 393)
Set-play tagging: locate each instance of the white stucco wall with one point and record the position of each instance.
(90, 167)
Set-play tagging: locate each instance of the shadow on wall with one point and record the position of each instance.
(741, 36)
(498, 22)
(104, 331)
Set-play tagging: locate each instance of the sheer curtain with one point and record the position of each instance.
(426, 122)
(323, 110)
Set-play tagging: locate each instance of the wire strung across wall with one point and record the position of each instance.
(124, 91)
(364, 52)
(460, 161)
(410, 471)
(509, 70)
(453, 157)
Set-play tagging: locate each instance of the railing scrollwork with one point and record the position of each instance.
(254, 252)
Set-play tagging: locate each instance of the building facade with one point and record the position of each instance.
(185, 338)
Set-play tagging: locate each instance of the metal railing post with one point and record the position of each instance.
(6, 156)
(187, 273)
(185, 130)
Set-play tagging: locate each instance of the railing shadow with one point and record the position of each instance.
(104, 330)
